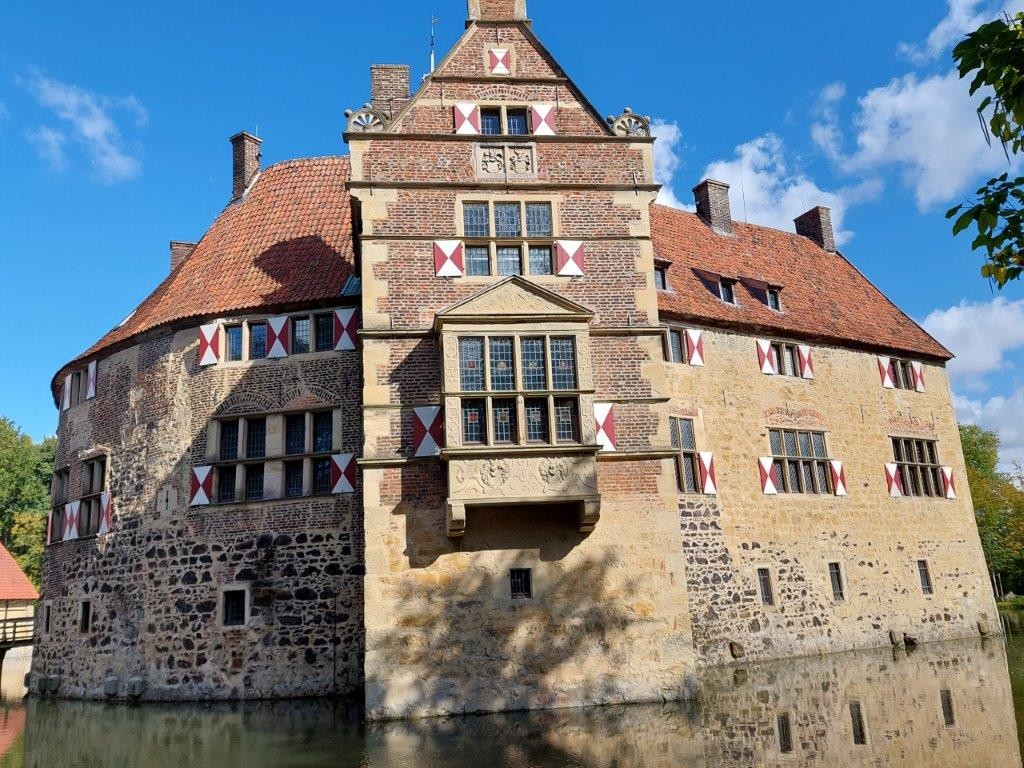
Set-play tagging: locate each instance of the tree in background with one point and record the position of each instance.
(994, 55)
(25, 472)
(998, 506)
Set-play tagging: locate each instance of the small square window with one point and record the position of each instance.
(490, 122)
(257, 341)
(300, 335)
(85, 617)
(233, 333)
(324, 333)
(234, 607)
(521, 583)
(727, 291)
(774, 299)
(517, 122)
(661, 278)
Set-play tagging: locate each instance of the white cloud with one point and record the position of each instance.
(980, 334)
(49, 144)
(89, 122)
(765, 190)
(962, 16)
(1001, 414)
(667, 161)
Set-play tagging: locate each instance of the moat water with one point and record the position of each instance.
(950, 704)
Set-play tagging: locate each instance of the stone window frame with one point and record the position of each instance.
(249, 320)
(518, 393)
(902, 373)
(685, 454)
(90, 499)
(780, 462)
(492, 241)
(673, 330)
(773, 585)
(504, 107)
(529, 585)
(844, 581)
(60, 494)
(234, 586)
(786, 358)
(275, 453)
(928, 473)
(924, 576)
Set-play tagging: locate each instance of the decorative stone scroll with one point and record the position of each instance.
(365, 120)
(630, 124)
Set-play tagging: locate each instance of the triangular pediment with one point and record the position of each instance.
(515, 298)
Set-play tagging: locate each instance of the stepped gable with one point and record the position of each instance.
(824, 297)
(287, 243)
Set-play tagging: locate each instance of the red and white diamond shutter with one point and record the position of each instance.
(343, 473)
(766, 357)
(105, 511)
(209, 344)
(467, 119)
(65, 398)
(838, 477)
(708, 481)
(499, 61)
(201, 492)
(427, 431)
(542, 119)
(344, 330)
(917, 369)
(278, 337)
(893, 480)
(71, 512)
(886, 372)
(766, 470)
(604, 419)
(90, 381)
(449, 258)
(694, 347)
(805, 361)
(570, 258)
(948, 483)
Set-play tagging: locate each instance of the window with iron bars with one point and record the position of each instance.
(800, 461)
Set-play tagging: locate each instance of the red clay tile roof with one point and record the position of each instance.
(824, 297)
(288, 243)
(14, 584)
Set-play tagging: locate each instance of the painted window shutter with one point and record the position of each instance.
(105, 510)
(570, 258)
(71, 512)
(202, 486)
(893, 481)
(467, 119)
(694, 347)
(278, 337)
(343, 473)
(806, 361)
(765, 466)
(90, 386)
(604, 418)
(449, 258)
(542, 119)
(918, 370)
(344, 330)
(948, 483)
(209, 344)
(886, 372)
(499, 61)
(65, 400)
(427, 431)
(765, 358)
(708, 481)
(838, 477)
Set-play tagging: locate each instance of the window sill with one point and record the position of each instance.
(268, 360)
(279, 499)
(458, 452)
(91, 536)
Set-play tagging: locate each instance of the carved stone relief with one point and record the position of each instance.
(501, 161)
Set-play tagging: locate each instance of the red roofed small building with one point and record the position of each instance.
(465, 421)
(17, 604)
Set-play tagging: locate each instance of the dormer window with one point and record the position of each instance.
(661, 277)
(727, 290)
(774, 299)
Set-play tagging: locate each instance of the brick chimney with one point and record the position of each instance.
(816, 225)
(179, 252)
(245, 156)
(712, 199)
(497, 10)
(389, 87)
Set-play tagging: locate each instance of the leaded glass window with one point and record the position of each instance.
(478, 260)
(257, 341)
(300, 335)
(505, 415)
(538, 220)
(234, 341)
(324, 333)
(229, 440)
(563, 363)
(474, 426)
(226, 484)
(536, 410)
(255, 438)
(800, 462)
(475, 220)
(295, 433)
(540, 260)
(471, 363)
(918, 465)
(567, 423)
(508, 220)
(684, 443)
(293, 478)
(254, 481)
(534, 369)
(322, 476)
(323, 432)
(503, 372)
(509, 260)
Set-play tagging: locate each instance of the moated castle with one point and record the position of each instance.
(466, 421)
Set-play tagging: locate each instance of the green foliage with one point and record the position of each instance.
(994, 55)
(25, 472)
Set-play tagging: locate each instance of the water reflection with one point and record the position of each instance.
(943, 705)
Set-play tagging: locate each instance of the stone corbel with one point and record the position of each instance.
(590, 513)
(456, 519)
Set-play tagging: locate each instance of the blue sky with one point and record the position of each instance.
(114, 120)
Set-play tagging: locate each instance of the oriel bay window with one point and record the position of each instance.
(518, 390)
(508, 238)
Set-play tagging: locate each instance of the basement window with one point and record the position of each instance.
(233, 607)
(521, 583)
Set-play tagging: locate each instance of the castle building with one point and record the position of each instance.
(466, 421)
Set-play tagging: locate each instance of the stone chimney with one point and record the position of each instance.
(245, 156)
(389, 87)
(816, 225)
(179, 252)
(713, 205)
(497, 10)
